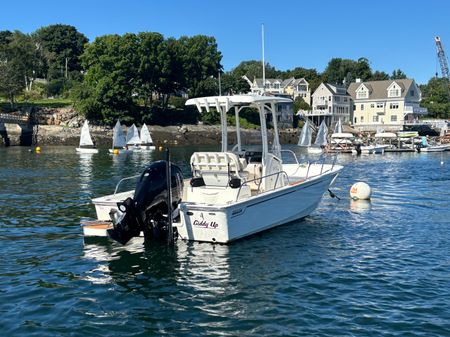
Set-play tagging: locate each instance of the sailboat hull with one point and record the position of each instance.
(86, 150)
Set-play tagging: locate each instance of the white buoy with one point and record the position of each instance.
(360, 191)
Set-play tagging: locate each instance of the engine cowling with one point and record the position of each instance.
(147, 211)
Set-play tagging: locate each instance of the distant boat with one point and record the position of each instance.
(146, 139)
(86, 143)
(426, 147)
(305, 135)
(321, 139)
(119, 141)
(133, 139)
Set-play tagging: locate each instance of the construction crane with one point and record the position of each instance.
(442, 58)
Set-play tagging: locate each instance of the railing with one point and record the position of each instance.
(414, 109)
(293, 154)
(321, 160)
(260, 179)
(14, 118)
(122, 180)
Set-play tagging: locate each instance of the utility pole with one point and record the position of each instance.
(65, 73)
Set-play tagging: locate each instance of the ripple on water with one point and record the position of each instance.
(375, 268)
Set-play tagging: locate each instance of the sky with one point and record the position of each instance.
(391, 34)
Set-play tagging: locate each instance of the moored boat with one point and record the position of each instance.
(229, 193)
(119, 142)
(146, 139)
(86, 143)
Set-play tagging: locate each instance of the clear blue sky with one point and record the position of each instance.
(391, 34)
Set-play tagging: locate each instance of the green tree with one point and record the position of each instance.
(63, 46)
(398, 75)
(379, 76)
(253, 69)
(201, 60)
(111, 64)
(341, 70)
(300, 104)
(437, 98)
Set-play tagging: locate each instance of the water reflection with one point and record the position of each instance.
(85, 165)
(360, 206)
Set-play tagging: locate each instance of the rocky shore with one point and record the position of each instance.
(63, 127)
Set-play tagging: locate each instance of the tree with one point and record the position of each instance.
(398, 75)
(300, 104)
(111, 64)
(63, 46)
(201, 59)
(253, 69)
(339, 70)
(437, 98)
(379, 76)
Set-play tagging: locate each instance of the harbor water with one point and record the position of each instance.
(378, 268)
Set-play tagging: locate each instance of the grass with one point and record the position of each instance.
(44, 103)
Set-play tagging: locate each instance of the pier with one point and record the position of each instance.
(16, 129)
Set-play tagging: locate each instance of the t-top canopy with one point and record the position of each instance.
(235, 100)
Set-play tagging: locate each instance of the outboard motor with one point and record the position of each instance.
(148, 210)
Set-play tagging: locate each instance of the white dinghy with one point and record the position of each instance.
(133, 139)
(305, 138)
(230, 193)
(146, 139)
(321, 139)
(119, 140)
(86, 143)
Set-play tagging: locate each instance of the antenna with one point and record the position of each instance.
(263, 63)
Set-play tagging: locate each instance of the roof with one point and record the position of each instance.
(378, 89)
(284, 83)
(334, 89)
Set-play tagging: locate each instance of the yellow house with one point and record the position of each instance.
(387, 104)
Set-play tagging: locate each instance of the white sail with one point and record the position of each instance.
(338, 127)
(85, 138)
(119, 139)
(133, 136)
(305, 135)
(146, 138)
(322, 134)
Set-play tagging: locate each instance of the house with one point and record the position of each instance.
(330, 102)
(291, 86)
(388, 104)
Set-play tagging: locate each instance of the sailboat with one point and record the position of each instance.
(321, 139)
(86, 143)
(119, 140)
(146, 139)
(305, 135)
(133, 139)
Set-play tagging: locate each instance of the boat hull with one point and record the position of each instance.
(86, 150)
(104, 205)
(231, 222)
(437, 148)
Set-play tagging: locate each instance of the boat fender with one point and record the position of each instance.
(234, 183)
(197, 182)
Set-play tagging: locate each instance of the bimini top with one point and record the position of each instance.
(235, 100)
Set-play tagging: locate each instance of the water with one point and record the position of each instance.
(352, 269)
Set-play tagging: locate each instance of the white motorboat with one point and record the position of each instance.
(341, 141)
(119, 140)
(321, 139)
(146, 139)
(370, 149)
(426, 147)
(86, 143)
(230, 193)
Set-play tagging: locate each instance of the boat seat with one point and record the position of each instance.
(217, 168)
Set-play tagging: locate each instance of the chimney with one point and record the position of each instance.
(358, 80)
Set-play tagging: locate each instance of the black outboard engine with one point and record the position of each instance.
(148, 210)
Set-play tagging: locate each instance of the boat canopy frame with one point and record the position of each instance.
(264, 104)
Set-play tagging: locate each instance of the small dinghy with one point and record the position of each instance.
(86, 143)
(146, 139)
(119, 140)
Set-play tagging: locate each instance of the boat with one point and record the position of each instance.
(133, 139)
(86, 143)
(146, 139)
(426, 147)
(119, 140)
(321, 140)
(229, 193)
(305, 135)
(341, 142)
(369, 149)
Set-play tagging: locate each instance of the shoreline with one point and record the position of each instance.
(39, 134)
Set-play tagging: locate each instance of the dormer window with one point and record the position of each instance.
(362, 93)
(394, 90)
(276, 85)
(267, 85)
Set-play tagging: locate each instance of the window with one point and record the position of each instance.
(337, 99)
(393, 118)
(356, 120)
(362, 119)
(394, 91)
(362, 106)
(345, 99)
(411, 93)
(329, 109)
(393, 106)
(372, 105)
(375, 119)
(329, 98)
(276, 85)
(380, 105)
(361, 94)
(354, 107)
